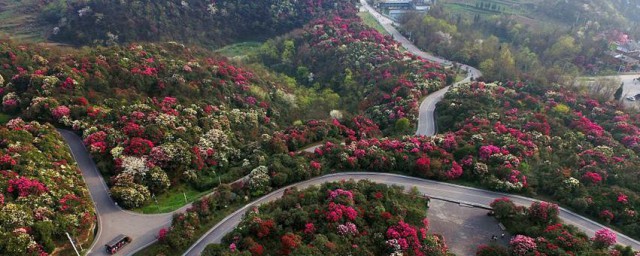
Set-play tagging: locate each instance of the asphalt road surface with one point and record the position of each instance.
(465, 195)
(143, 228)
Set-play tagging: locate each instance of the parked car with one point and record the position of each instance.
(117, 243)
(631, 98)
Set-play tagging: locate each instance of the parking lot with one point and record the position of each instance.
(464, 228)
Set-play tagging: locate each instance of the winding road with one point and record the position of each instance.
(113, 220)
(426, 126)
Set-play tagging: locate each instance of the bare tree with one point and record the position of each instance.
(602, 88)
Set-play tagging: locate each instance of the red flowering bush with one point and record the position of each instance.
(24, 187)
(522, 245)
(309, 233)
(43, 189)
(604, 238)
(138, 146)
(543, 212)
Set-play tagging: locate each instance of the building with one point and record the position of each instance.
(396, 4)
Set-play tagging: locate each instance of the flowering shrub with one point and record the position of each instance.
(40, 189)
(582, 149)
(391, 93)
(522, 245)
(233, 20)
(604, 238)
(309, 233)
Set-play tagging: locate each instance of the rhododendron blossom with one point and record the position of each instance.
(60, 111)
(605, 237)
(24, 187)
(522, 245)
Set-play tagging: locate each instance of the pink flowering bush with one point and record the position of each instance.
(406, 227)
(604, 238)
(60, 111)
(40, 186)
(522, 245)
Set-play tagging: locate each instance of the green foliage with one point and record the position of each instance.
(301, 222)
(402, 125)
(200, 22)
(42, 193)
(130, 195)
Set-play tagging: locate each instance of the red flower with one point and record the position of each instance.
(138, 146)
(25, 187)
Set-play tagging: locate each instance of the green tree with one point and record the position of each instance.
(488, 68)
(402, 125)
(506, 63)
(288, 52)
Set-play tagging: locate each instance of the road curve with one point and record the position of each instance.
(446, 191)
(113, 220)
(426, 119)
(426, 126)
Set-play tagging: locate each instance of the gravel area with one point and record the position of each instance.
(463, 227)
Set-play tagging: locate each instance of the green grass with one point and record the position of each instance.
(239, 49)
(4, 118)
(371, 21)
(172, 200)
(157, 249)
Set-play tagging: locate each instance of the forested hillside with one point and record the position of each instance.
(210, 23)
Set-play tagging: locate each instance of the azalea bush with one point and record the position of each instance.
(549, 140)
(42, 194)
(336, 218)
(367, 69)
(537, 231)
(134, 107)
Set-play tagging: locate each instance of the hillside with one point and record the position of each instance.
(207, 23)
(359, 218)
(42, 194)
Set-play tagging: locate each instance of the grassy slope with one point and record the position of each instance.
(18, 21)
(370, 21)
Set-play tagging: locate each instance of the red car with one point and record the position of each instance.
(117, 243)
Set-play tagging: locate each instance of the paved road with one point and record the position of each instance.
(467, 195)
(113, 220)
(426, 127)
(143, 227)
(426, 121)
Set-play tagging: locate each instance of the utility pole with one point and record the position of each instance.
(72, 244)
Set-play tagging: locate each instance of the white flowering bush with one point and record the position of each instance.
(130, 195)
(259, 182)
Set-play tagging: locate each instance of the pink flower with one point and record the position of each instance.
(232, 247)
(315, 165)
(309, 228)
(605, 237)
(622, 198)
(522, 245)
(455, 172)
(60, 111)
(25, 187)
(487, 151)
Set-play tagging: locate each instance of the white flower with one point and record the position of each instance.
(336, 114)
(134, 165)
(84, 11)
(571, 182)
(212, 9)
